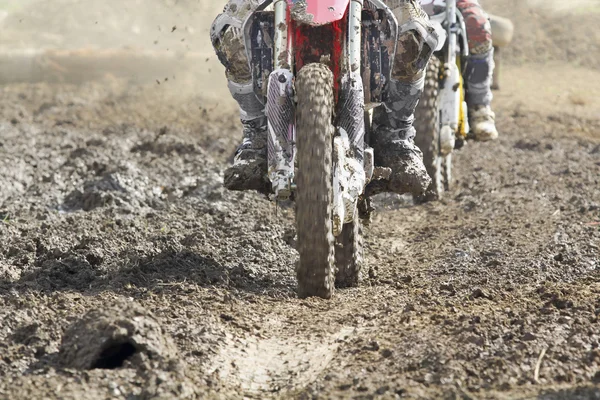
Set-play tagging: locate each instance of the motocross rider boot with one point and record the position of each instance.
(393, 139)
(249, 169)
(483, 125)
(478, 75)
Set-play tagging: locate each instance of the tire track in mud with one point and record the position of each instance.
(277, 365)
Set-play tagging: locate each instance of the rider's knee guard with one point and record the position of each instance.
(228, 40)
(416, 41)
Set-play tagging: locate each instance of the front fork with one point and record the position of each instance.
(280, 107)
(280, 112)
(352, 163)
(453, 118)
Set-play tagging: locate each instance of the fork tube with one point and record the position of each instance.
(452, 31)
(354, 36)
(283, 53)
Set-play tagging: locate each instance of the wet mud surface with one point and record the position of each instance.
(128, 272)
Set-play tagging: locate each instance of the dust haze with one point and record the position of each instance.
(165, 42)
(571, 6)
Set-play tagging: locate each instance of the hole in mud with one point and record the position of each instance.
(114, 356)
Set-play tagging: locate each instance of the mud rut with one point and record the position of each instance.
(126, 271)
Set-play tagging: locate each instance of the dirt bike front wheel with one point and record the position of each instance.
(349, 254)
(314, 193)
(427, 125)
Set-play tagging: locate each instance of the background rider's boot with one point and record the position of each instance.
(483, 123)
(249, 169)
(393, 139)
(479, 73)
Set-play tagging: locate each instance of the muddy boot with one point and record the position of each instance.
(478, 75)
(249, 169)
(483, 123)
(396, 150)
(393, 139)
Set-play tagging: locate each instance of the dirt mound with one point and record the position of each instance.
(129, 187)
(117, 335)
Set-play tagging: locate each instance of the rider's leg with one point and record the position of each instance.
(479, 70)
(250, 165)
(393, 141)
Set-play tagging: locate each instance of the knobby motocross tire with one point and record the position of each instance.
(314, 194)
(349, 254)
(427, 117)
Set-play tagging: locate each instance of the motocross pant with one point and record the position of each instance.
(416, 42)
(479, 69)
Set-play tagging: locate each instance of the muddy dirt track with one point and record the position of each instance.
(128, 272)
